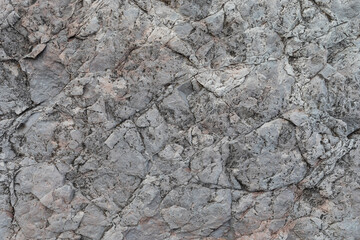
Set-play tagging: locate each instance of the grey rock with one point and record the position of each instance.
(176, 217)
(46, 80)
(268, 158)
(39, 179)
(191, 119)
(93, 223)
(203, 202)
(36, 51)
(215, 22)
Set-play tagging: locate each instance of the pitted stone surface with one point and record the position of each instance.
(190, 119)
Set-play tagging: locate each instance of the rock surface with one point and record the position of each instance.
(191, 119)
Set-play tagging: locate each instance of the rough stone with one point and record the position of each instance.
(191, 119)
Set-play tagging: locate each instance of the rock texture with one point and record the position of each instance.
(179, 119)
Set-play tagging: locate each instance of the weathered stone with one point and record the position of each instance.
(48, 76)
(268, 158)
(93, 223)
(39, 179)
(191, 119)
